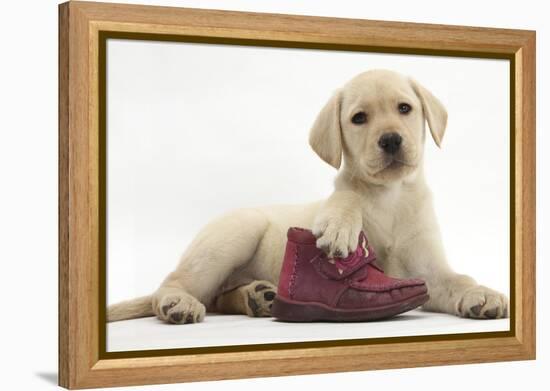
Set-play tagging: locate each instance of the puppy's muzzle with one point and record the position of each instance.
(390, 142)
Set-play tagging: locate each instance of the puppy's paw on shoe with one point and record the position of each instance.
(337, 233)
(180, 309)
(481, 302)
(259, 297)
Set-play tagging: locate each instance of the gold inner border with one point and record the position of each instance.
(103, 36)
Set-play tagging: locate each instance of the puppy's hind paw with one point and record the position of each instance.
(180, 309)
(259, 297)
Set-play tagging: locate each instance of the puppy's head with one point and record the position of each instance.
(376, 122)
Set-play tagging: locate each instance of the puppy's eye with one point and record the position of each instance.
(404, 108)
(359, 118)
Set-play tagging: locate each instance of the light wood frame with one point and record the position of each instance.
(83, 362)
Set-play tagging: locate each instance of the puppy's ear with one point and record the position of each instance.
(434, 112)
(325, 136)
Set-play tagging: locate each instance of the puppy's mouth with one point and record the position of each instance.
(394, 165)
(389, 164)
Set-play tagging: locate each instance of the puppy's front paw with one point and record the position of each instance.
(337, 232)
(180, 309)
(483, 303)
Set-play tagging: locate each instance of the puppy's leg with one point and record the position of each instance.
(254, 299)
(460, 295)
(449, 292)
(221, 247)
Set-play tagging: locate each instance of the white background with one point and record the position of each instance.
(195, 130)
(28, 157)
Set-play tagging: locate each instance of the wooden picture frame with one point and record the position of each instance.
(83, 30)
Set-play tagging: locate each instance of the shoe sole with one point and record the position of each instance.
(297, 311)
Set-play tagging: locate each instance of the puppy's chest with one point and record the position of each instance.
(379, 233)
(381, 225)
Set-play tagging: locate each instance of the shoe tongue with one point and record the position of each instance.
(338, 268)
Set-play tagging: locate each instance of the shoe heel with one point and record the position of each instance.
(291, 312)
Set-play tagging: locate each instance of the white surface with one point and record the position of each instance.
(197, 130)
(28, 200)
(225, 330)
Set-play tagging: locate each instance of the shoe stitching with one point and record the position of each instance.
(292, 282)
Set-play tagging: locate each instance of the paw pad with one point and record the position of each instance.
(166, 307)
(491, 314)
(269, 296)
(176, 317)
(476, 309)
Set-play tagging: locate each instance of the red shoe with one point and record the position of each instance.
(313, 287)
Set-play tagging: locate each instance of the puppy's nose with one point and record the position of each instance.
(390, 142)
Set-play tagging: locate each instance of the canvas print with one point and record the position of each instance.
(264, 195)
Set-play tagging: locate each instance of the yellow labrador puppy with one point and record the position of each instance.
(373, 131)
